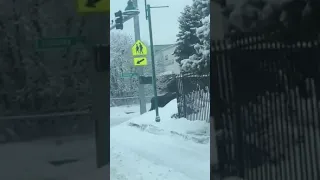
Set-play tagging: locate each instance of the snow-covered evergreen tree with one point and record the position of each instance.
(201, 7)
(199, 60)
(186, 38)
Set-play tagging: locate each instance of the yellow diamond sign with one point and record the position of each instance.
(93, 6)
(139, 49)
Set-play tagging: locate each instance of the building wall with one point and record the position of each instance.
(166, 59)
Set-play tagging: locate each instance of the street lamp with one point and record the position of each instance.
(130, 6)
(148, 17)
(133, 12)
(131, 9)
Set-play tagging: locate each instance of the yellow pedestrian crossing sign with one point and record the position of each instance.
(139, 49)
(93, 6)
(140, 61)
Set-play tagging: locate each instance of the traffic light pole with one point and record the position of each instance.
(148, 17)
(136, 25)
(125, 18)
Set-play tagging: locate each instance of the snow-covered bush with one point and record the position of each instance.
(120, 63)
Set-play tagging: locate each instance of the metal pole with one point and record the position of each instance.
(100, 87)
(143, 108)
(153, 66)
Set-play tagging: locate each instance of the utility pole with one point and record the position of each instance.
(136, 25)
(132, 11)
(97, 32)
(100, 88)
(154, 81)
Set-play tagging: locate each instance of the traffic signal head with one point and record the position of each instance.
(118, 14)
(119, 20)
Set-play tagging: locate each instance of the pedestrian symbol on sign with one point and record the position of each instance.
(139, 49)
(92, 3)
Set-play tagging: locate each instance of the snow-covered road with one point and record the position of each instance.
(141, 149)
(25, 161)
(117, 121)
(173, 149)
(31, 160)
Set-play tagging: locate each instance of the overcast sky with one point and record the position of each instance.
(164, 20)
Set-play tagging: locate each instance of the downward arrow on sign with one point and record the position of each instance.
(138, 62)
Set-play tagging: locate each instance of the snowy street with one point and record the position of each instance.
(141, 149)
(176, 66)
(18, 156)
(173, 149)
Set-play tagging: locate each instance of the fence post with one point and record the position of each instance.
(184, 98)
(238, 122)
(215, 109)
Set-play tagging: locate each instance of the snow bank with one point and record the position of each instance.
(169, 124)
(172, 149)
(126, 111)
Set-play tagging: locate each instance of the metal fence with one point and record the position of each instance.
(193, 97)
(265, 103)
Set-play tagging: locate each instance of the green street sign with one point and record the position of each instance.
(60, 42)
(129, 75)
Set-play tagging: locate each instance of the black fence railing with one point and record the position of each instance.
(265, 104)
(193, 97)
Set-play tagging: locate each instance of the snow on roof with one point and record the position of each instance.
(162, 47)
(167, 73)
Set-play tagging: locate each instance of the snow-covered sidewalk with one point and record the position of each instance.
(173, 149)
(128, 111)
(121, 114)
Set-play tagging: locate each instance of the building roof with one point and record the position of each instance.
(158, 48)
